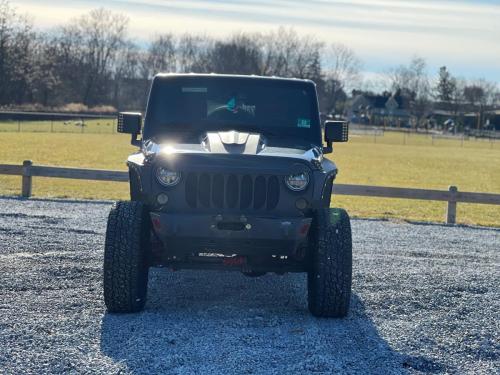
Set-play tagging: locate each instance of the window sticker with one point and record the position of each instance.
(234, 107)
(194, 89)
(303, 123)
(231, 105)
(250, 109)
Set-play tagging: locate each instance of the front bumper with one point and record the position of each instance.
(190, 234)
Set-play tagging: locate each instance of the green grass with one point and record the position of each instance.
(475, 166)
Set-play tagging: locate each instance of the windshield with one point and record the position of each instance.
(196, 104)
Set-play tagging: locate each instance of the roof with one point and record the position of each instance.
(241, 76)
(442, 112)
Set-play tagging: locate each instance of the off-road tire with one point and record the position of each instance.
(126, 255)
(330, 273)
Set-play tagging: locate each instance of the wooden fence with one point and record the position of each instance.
(452, 195)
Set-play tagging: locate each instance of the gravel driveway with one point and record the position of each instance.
(426, 300)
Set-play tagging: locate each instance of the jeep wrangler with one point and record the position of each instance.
(230, 175)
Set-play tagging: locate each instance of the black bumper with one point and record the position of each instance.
(187, 234)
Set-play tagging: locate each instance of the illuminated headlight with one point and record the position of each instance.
(166, 177)
(297, 182)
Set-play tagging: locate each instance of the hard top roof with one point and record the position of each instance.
(229, 76)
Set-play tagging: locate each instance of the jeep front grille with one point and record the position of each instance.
(232, 191)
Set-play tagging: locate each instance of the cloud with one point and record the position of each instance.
(383, 32)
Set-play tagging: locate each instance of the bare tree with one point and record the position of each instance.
(481, 95)
(413, 82)
(130, 82)
(342, 71)
(7, 19)
(17, 43)
(161, 56)
(193, 53)
(45, 82)
(457, 101)
(240, 54)
(97, 37)
(342, 65)
(286, 54)
(277, 49)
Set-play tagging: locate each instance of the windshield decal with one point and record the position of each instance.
(250, 109)
(231, 105)
(303, 123)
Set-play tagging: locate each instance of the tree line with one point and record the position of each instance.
(91, 60)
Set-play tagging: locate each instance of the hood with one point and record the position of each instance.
(237, 143)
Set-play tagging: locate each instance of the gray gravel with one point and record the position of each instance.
(426, 300)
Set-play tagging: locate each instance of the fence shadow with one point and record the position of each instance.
(213, 322)
(57, 200)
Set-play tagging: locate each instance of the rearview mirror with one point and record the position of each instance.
(335, 131)
(130, 123)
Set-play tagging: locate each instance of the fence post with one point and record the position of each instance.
(26, 180)
(451, 212)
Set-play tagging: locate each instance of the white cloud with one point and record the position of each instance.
(461, 34)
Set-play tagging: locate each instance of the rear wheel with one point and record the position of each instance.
(126, 255)
(330, 273)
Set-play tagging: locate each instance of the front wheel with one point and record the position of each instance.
(330, 272)
(126, 255)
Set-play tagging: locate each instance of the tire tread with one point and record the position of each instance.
(125, 258)
(330, 275)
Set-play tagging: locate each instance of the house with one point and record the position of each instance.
(493, 120)
(386, 110)
(443, 119)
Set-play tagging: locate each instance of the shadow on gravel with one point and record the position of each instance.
(212, 322)
(56, 200)
(466, 226)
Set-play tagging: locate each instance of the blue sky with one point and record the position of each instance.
(464, 35)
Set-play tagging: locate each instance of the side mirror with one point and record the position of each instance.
(335, 131)
(130, 123)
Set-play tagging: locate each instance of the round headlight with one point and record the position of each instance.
(166, 177)
(297, 182)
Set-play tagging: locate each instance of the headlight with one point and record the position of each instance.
(297, 182)
(166, 177)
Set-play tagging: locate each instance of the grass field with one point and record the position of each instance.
(394, 160)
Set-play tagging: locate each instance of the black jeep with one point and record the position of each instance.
(230, 175)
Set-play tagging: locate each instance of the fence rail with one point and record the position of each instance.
(27, 171)
(15, 115)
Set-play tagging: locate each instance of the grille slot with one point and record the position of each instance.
(232, 191)
(273, 192)
(218, 191)
(191, 189)
(205, 189)
(246, 192)
(259, 194)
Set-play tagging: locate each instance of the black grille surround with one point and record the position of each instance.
(232, 191)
